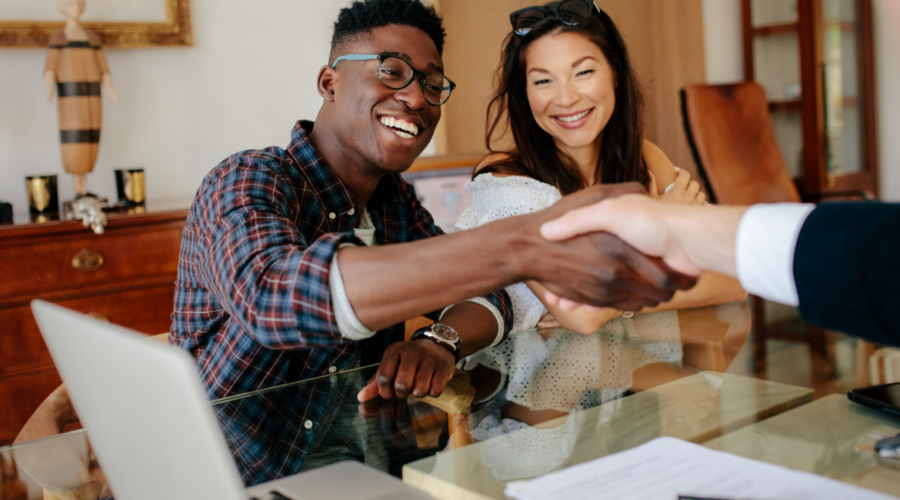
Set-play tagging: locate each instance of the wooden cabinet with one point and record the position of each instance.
(815, 58)
(125, 276)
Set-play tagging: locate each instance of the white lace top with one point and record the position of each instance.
(495, 198)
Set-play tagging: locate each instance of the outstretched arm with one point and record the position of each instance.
(392, 283)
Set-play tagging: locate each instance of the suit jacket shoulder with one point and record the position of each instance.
(847, 269)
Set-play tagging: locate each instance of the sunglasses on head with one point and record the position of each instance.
(569, 12)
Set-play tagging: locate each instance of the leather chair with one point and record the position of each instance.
(731, 136)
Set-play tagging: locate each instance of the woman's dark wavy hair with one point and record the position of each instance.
(536, 154)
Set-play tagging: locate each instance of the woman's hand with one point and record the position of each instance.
(684, 190)
(548, 321)
(547, 325)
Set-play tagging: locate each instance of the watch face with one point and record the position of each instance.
(444, 332)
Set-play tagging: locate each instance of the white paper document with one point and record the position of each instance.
(666, 467)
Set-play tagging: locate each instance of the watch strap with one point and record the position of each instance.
(421, 333)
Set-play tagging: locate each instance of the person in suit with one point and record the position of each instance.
(836, 261)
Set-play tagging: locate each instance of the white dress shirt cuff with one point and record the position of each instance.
(764, 251)
(348, 324)
(501, 325)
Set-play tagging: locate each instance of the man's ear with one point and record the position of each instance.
(327, 77)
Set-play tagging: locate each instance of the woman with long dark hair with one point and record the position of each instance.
(568, 93)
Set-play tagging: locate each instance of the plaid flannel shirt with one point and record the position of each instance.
(252, 299)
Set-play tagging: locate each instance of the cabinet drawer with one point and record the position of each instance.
(19, 399)
(43, 264)
(144, 310)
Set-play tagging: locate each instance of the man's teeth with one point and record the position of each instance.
(573, 118)
(402, 128)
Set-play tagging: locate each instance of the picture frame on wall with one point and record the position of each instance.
(131, 24)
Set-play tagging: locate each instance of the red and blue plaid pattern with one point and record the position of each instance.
(252, 300)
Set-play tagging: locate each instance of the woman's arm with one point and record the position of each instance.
(667, 182)
(660, 167)
(712, 288)
(580, 320)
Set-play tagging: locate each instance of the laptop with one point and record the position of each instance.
(152, 428)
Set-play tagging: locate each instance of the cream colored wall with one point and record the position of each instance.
(722, 32)
(250, 75)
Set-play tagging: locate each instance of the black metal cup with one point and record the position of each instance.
(130, 186)
(6, 213)
(43, 196)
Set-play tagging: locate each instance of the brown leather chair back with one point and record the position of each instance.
(730, 133)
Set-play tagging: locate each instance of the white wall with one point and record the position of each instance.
(724, 60)
(722, 40)
(249, 76)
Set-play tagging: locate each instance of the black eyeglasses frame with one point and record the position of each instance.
(412, 76)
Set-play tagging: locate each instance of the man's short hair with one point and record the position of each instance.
(360, 18)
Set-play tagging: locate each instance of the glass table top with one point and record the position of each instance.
(826, 437)
(542, 401)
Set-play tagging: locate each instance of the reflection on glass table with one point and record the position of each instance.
(832, 437)
(539, 402)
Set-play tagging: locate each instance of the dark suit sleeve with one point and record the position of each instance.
(847, 269)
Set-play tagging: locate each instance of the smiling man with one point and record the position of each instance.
(306, 261)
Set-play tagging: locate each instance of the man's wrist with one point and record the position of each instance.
(443, 347)
(707, 235)
(521, 242)
(443, 335)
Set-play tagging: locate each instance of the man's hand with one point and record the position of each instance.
(598, 268)
(393, 418)
(690, 239)
(419, 368)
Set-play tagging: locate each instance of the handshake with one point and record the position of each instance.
(637, 251)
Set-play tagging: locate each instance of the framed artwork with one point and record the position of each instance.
(442, 193)
(120, 23)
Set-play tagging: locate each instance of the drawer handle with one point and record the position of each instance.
(99, 316)
(87, 261)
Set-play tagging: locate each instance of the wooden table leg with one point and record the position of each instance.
(456, 401)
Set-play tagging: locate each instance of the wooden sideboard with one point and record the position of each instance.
(125, 276)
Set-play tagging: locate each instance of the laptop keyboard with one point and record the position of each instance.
(273, 495)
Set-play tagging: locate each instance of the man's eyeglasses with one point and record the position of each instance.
(395, 73)
(569, 12)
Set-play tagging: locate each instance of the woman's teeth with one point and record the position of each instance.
(573, 118)
(400, 127)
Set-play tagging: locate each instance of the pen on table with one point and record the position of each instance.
(695, 497)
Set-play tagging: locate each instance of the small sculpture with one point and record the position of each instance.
(88, 210)
(76, 67)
